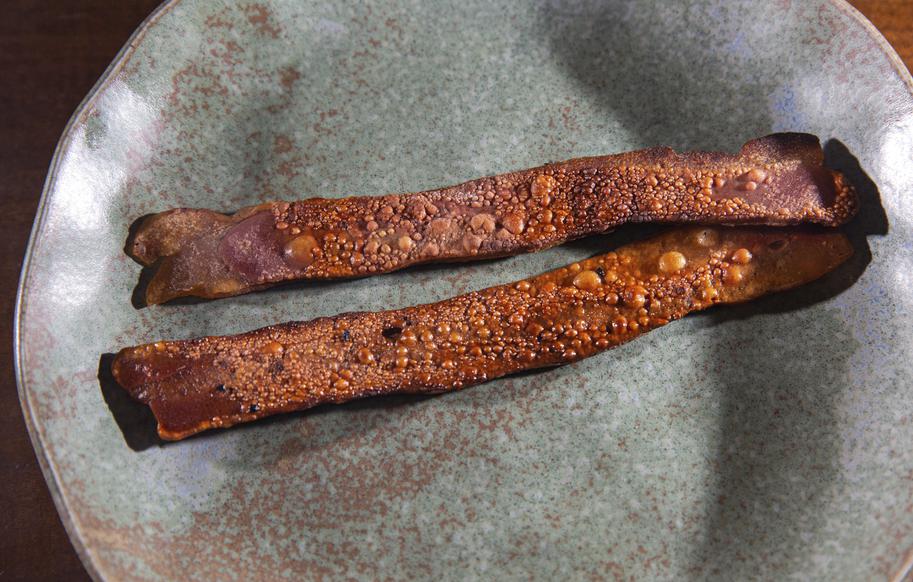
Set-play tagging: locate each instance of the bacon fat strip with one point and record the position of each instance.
(775, 180)
(552, 319)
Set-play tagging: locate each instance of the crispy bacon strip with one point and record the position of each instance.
(556, 318)
(775, 180)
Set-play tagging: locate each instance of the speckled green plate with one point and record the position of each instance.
(767, 441)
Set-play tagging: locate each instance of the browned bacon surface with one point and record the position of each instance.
(775, 180)
(552, 319)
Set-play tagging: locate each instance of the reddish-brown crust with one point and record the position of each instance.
(775, 180)
(556, 318)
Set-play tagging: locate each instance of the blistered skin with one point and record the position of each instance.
(776, 180)
(556, 318)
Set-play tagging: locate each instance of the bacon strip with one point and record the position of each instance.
(552, 319)
(775, 180)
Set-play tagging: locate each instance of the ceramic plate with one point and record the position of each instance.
(768, 441)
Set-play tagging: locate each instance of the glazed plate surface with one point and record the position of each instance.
(769, 441)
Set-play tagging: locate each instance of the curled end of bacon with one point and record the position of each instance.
(556, 318)
(775, 180)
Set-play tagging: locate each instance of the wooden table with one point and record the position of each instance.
(51, 53)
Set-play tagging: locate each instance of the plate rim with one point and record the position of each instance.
(47, 464)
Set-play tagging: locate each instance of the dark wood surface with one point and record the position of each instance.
(894, 18)
(51, 53)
